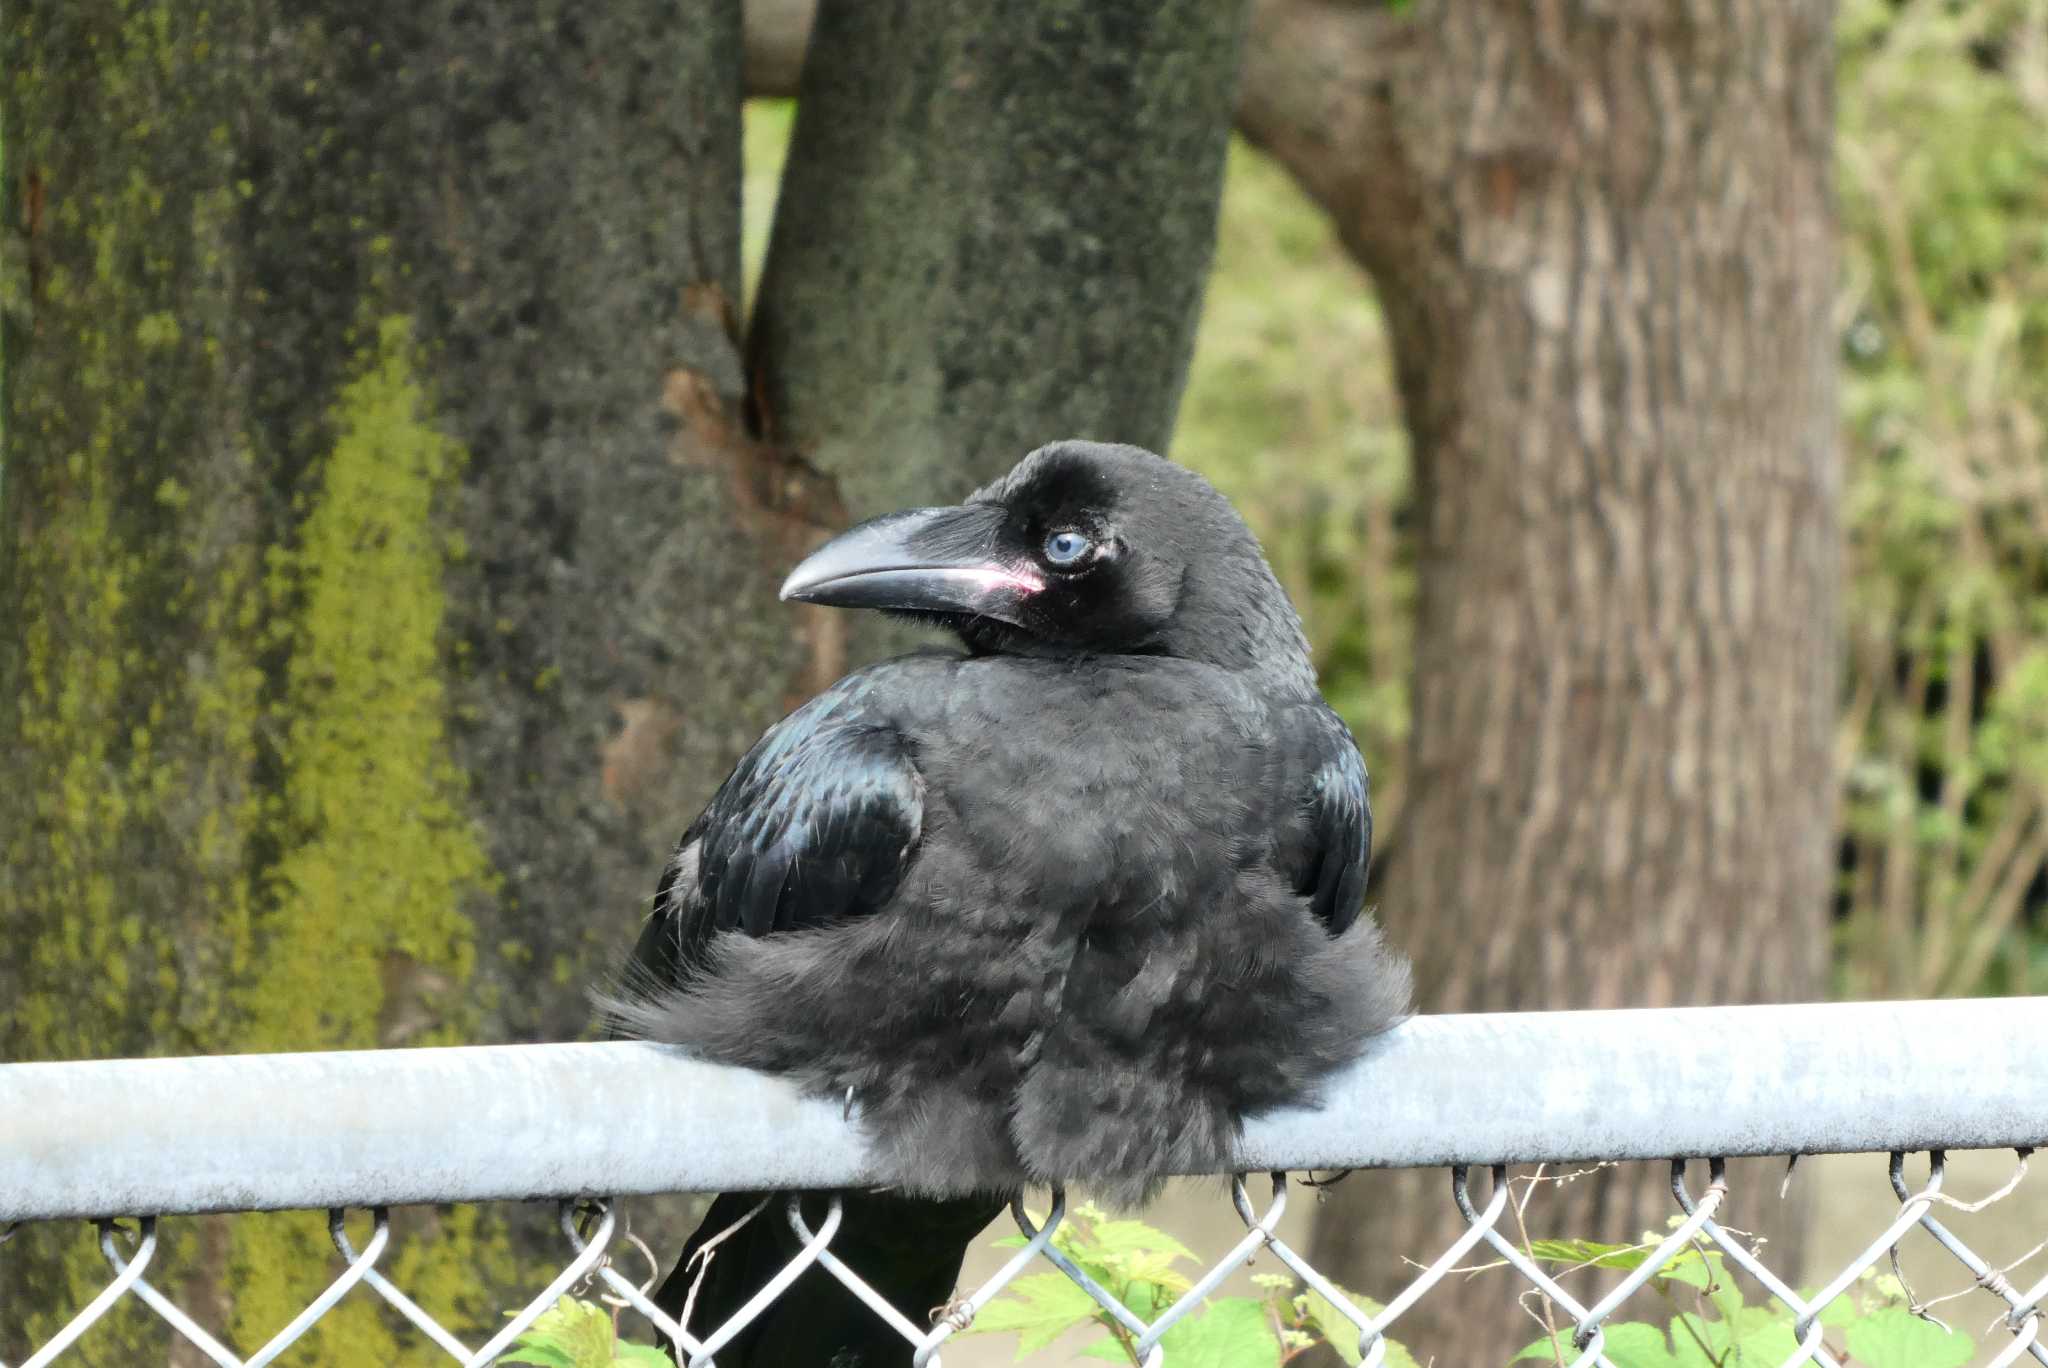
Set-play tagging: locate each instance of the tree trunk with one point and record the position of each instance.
(1604, 240)
(994, 229)
(389, 552)
(382, 578)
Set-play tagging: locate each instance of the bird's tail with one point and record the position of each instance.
(909, 1249)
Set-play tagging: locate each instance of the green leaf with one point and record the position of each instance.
(1040, 1308)
(1630, 1344)
(1147, 1300)
(1131, 1237)
(1750, 1337)
(1633, 1344)
(1756, 1336)
(1688, 1266)
(1135, 1260)
(1836, 1314)
(642, 1356)
(1694, 1269)
(1234, 1332)
(569, 1334)
(1589, 1252)
(1336, 1330)
(546, 1355)
(1763, 1334)
(1108, 1347)
(1894, 1337)
(1149, 1266)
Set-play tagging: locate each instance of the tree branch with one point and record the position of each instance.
(1317, 95)
(1314, 95)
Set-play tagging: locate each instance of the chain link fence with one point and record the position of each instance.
(586, 1124)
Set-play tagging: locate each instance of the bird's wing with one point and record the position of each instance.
(815, 824)
(1327, 850)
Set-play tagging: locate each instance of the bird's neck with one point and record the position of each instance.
(1277, 666)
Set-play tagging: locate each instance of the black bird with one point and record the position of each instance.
(1064, 906)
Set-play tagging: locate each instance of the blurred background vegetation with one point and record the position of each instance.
(1943, 171)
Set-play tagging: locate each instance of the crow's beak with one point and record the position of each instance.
(931, 560)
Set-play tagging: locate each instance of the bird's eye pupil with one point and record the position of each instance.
(1064, 548)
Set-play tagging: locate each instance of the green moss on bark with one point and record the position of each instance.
(129, 611)
(290, 319)
(378, 850)
(377, 853)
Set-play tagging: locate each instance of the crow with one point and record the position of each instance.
(1062, 904)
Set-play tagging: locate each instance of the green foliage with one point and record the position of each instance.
(1711, 1326)
(1143, 1268)
(1944, 192)
(1319, 1320)
(581, 1334)
(1893, 1337)
(1039, 1307)
(1692, 1267)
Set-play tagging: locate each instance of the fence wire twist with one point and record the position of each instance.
(592, 1229)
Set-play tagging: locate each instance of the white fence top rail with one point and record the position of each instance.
(391, 1127)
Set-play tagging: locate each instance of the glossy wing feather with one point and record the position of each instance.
(1332, 851)
(816, 824)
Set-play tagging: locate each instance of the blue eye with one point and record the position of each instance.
(1065, 548)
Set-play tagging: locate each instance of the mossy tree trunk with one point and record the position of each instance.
(372, 619)
(389, 539)
(1605, 243)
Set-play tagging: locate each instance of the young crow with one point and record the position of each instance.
(1064, 906)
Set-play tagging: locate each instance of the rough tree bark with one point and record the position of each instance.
(380, 578)
(994, 229)
(1604, 239)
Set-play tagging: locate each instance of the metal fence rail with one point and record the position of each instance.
(585, 1124)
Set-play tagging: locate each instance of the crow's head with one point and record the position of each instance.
(1083, 548)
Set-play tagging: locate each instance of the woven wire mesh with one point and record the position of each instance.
(596, 1244)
